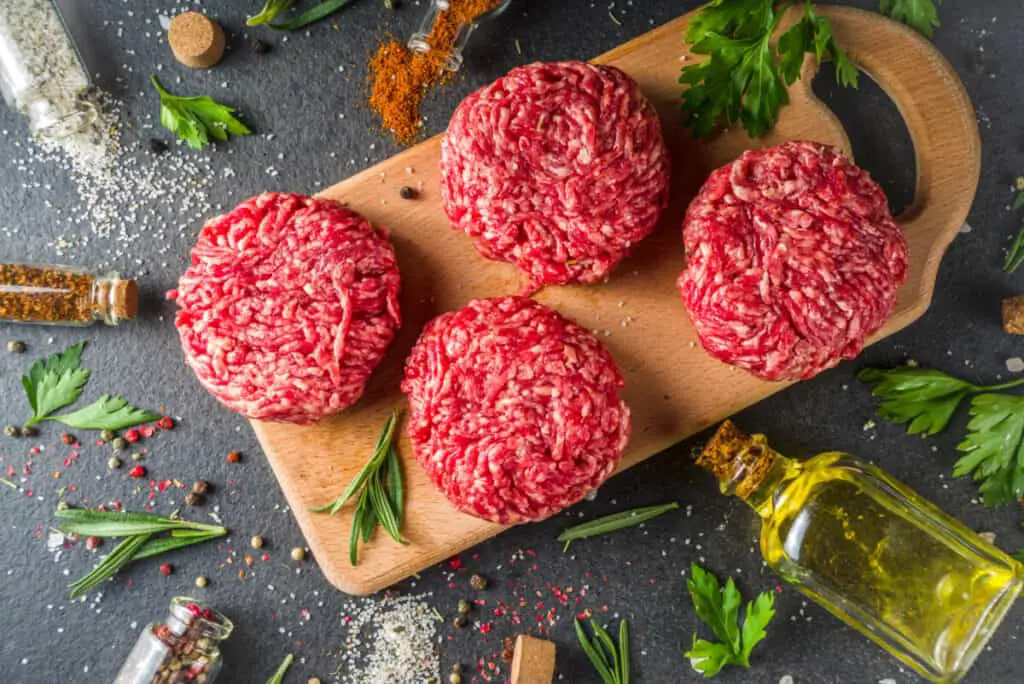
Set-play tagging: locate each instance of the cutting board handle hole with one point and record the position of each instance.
(880, 138)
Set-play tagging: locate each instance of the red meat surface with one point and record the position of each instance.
(514, 410)
(792, 261)
(557, 168)
(287, 307)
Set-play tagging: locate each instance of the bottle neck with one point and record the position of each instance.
(747, 467)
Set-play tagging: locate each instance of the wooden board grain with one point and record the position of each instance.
(673, 388)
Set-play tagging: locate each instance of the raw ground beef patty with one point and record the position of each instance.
(792, 261)
(287, 307)
(514, 410)
(557, 168)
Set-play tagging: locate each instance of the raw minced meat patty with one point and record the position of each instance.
(514, 410)
(557, 168)
(792, 261)
(288, 306)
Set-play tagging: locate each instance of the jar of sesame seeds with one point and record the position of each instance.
(41, 71)
(185, 648)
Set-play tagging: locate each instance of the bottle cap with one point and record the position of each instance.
(125, 300)
(196, 40)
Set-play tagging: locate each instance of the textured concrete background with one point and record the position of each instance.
(297, 93)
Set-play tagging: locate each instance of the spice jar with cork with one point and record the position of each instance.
(185, 648)
(65, 295)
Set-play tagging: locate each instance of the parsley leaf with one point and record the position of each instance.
(920, 15)
(1019, 555)
(271, 10)
(719, 608)
(106, 413)
(197, 119)
(55, 383)
(924, 398)
(994, 454)
(744, 77)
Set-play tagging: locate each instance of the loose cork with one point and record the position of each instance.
(196, 40)
(1013, 315)
(737, 459)
(125, 300)
(534, 661)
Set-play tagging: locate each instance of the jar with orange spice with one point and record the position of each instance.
(65, 295)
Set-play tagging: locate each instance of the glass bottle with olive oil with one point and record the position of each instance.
(871, 551)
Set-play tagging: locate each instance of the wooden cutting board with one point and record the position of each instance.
(673, 388)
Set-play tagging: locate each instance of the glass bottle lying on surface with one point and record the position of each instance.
(872, 552)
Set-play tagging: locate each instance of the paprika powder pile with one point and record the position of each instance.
(399, 78)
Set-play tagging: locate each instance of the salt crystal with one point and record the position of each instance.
(1015, 364)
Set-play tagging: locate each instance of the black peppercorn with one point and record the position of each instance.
(478, 582)
(407, 192)
(157, 146)
(260, 47)
(195, 499)
(460, 621)
(12, 431)
(29, 431)
(201, 487)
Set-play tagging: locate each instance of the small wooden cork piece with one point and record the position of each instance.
(125, 300)
(1013, 315)
(738, 460)
(534, 661)
(196, 40)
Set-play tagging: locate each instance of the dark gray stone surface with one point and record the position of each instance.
(297, 93)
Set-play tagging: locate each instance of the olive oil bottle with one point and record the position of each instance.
(871, 551)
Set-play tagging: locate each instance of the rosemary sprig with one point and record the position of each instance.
(1015, 255)
(614, 522)
(278, 676)
(379, 493)
(138, 530)
(610, 662)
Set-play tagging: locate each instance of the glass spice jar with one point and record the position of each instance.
(41, 70)
(65, 295)
(186, 648)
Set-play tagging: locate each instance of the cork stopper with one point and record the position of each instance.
(196, 40)
(1013, 315)
(534, 661)
(738, 460)
(125, 300)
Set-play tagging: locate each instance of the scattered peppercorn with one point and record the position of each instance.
(508, 651)
(313, 680)
(67, 438)
(201, 487)
(194, 499)
(131, 435)
(298, 553)
(16, 347)
(157, 146)
(12, 431)
(256, 542)
(165, 423)
(234, 457)
(119, 443)
(455, 678)
(407, 192)
(389, 4)
(201, 581)
(478, 582)
(29, 431)
(92, 543)
(107, 435)
(137, 472)
(114, 463)
(465, 606)
(460, 621)
(166, 569)
(137, 456)
(260, 47)
(457, 668)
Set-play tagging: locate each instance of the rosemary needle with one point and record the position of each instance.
(614, 522)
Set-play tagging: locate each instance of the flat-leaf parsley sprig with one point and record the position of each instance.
(744, 76)
(925, 400)
(197, 119)
(719, 608)
(920, 15)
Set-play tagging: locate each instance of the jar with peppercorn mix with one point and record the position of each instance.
(185, 648)
(33, 293)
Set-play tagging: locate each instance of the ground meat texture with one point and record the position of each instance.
(287, 307)
(514, 411)
(793, 260)
(557, 168)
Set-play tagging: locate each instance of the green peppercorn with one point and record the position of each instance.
(460, 621)
(137, 456)
(256, 542)
(478, 582)
(12, 431)
(16, 347)
(201, 581)
(107, 435)
(457, 668)
(114, 463)
(455, 678)
(465, 606)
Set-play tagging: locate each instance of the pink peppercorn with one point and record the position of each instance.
(92, 543)
(165, 423)
(137, 471)
(166, 569)
(131, 435)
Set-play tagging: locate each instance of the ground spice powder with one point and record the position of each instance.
(59, 294)
(399, 78)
